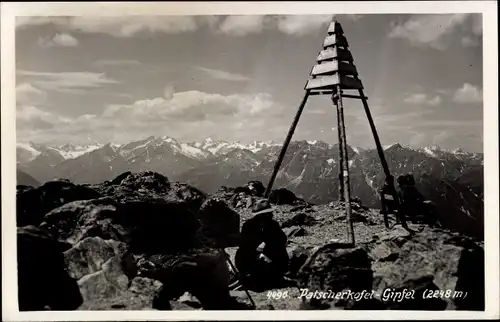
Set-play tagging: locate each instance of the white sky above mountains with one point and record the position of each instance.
(88, 79)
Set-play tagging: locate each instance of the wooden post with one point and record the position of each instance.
(285, 145)
(345, 166)
(341, 155)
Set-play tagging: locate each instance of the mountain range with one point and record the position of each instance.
(452, 179)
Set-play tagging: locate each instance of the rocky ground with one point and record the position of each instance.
(140, 242)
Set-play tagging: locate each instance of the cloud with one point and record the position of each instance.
(434, 101)
(242, 25)
(192, 106)
(168, 92)
(184, 115)
(59, 40)
(68, 82)
(29, 94)
(117, 62)
(234, 25)
(477, 24)
(469, 42)
(468, 94)
(302, 24)
(422, 99)
(118, 26)
(316, 111)
(223, 75)
(31, 118)
(428, 30)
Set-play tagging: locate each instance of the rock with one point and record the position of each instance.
(42, 277)
(298, 255)
(300, 219)
(294, 231)
(33, 204)
(283, 196)
(205, 275)
(385, 251)
(458, 266)
(220, 224)
(256, 188)
(145, 221)
(105, 284)
(20, 188)
(77, 220)
(335, 269)
(90, 255)
(243, 190)
(305, 208)
(338, 269)
(145, 286)
(249, 203)
(416, 290)
(139, 296)
(118, 180)
(150, 181)
(355, 216)
(190, 299)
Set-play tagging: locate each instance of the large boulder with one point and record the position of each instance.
(107, 276)
(334, 268)
(147, 225)
(89, 256)
(431, 259)
(203, 272)
(220, 224)
(33, 204)
(430, 270)
(43, 282)
(284, 196)
(78, 220)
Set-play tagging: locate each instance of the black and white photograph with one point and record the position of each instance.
(174, 162)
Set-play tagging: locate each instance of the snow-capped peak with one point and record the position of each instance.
(168, 140)
(71, 150)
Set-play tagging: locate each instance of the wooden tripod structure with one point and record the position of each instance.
(334, 74)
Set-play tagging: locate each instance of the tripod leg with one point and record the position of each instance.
(337, 100)
(384, 210)
(285, 145)
(228, 259)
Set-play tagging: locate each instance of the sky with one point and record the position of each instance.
(241, 78)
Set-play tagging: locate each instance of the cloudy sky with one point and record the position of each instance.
(116, 79)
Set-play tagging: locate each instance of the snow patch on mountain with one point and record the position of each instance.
(429, 152)
(192, 151)
(74, 151)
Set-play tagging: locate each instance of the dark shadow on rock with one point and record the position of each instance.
(300, 219)
(43, 282)
(33, 204)
(220, 224)
(283, 196)
(471, 280)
